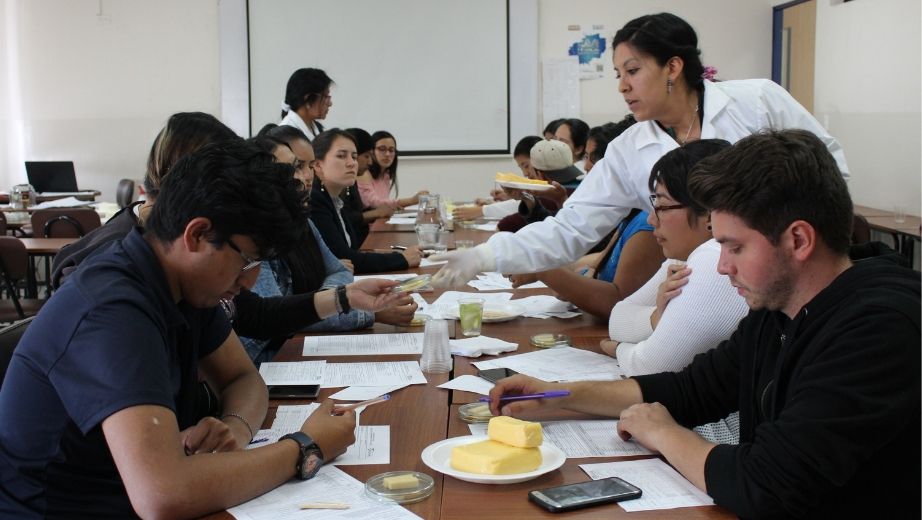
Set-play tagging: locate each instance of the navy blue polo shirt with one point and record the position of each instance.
(109, 339)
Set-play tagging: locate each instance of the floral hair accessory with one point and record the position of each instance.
(709, 73)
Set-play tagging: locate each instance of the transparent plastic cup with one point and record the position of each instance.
(436, 356)
(470, 312)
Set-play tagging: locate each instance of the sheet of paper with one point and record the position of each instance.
(663, 487)
(425, 262)
(363, 344)
(402, 221)
(372, 446)
(489, 226)
(364, 393)
(372, 374)
(330, 484)
(493, 281)
(405, 214)
(583, 438)
(446, 306)
(469, 383)
(290, 418)
(479, 345)
(265, 437)
(292, 373)
(559, 364)
(545, 306)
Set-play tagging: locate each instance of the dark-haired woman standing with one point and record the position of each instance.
(660, 76)
(307, 101)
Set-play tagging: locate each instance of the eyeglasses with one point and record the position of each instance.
(384, 150)
(248, 263)
(659, 209)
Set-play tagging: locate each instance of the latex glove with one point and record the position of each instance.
(463, 265)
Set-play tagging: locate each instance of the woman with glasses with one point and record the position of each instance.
(307, 101)
(687, 307)
(381, 179)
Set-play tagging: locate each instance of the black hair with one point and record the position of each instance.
(665, 36)
(363, 142)
(552, 127)
(771, 179)
(374, 168)
(604, 134)
(240, 189)
(183, 133)
(266, 143)
(673, 169)
(525, 144)
(579, 134)
(287, 134)
(305, 86)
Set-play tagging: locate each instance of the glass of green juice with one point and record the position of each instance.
(470, 311)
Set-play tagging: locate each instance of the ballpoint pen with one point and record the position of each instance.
(399, 248)
(257, 441)
(345, 407)
(525, 397)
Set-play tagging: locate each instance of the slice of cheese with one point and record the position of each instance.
(400, 482)
(494, 458)
(515, 432)
(511, 177)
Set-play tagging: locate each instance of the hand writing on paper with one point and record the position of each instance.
(333, 433)
(520, 385)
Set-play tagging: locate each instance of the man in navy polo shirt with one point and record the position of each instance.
(96, 409)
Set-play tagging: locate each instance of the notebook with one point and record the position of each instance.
(52, 176)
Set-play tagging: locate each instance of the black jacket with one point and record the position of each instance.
(829, 402)
(324, 216)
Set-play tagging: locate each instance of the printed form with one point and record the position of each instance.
(363, 344)
(372, 374)
(292, 373)
(582, 439)
(559, 364)
(662, 486)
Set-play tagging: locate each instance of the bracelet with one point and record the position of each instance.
(342, 300)
(243, 419)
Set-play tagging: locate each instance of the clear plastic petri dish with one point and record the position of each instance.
(475, 413)
(402, 487)
(550, 340)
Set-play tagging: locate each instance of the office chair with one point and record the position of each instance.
(14, 266)
(124, 193)
(64, 222)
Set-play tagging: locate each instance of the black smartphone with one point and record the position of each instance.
(294, 391)
(495, 374)
(584, 494)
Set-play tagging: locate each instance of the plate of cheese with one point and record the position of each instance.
(511, 180)
(512, 451)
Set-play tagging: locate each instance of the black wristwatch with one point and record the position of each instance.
(310, 459)
(342, 300)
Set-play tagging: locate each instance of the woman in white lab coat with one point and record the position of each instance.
(660, 76)
(307, 101)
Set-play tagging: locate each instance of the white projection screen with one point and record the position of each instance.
(435, 73)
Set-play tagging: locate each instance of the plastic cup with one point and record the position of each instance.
(427, 235)
(436, 356)
(470, 312)
(899, 214)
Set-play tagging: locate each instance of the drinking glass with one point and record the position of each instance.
(470, 312)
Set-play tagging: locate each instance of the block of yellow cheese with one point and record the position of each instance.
(400, 482)
(515, 432)
(494, 458)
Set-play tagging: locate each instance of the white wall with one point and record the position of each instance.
(93, 81)
(868, 88)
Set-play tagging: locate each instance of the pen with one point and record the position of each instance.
(399, 248)
(346, 407)
(257, 441)
(324, 505)
(524, 397)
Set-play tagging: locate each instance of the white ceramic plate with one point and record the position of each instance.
(525, 186)
(438, 457)
(493, 312)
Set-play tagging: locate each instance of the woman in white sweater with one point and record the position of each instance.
(687, 307)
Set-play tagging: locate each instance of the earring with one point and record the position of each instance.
(669, 86)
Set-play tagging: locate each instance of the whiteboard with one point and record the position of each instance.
(435, 73)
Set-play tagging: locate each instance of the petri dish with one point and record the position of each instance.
(419, 320)
(413, 284)
(550, 340)
(475, 413)
(376, 488)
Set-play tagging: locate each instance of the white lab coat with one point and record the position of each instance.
(618, 183)
(293, 119)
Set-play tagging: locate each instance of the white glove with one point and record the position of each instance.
(463, 265)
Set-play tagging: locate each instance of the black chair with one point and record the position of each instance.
(3, 228)
(64, 223)
(14, 267)
(124, 194)
(9, 338)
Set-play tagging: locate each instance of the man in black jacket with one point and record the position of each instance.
(824, 370)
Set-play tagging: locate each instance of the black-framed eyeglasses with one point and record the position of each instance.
(659, 209)
(248, 263)
(385, 149)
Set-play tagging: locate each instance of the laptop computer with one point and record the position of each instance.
(52, 176)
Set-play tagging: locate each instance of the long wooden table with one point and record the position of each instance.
(421, 415)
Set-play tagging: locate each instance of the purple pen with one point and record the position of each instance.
(524, 397)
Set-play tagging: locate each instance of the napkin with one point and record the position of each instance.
(479, 345)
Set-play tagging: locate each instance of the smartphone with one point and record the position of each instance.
(584, 494)
(495, 374)
(294, 391)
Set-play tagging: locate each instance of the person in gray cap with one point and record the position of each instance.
(553, 160)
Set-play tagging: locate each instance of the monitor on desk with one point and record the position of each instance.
(52, 176)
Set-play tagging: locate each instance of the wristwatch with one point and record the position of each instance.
(310, 459)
